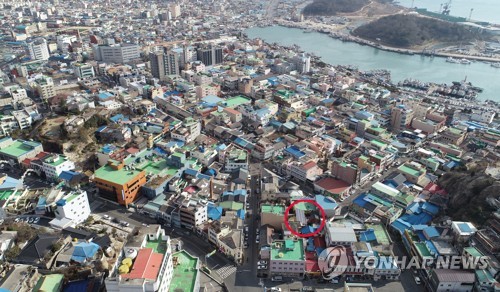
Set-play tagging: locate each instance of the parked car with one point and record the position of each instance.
(106, 216)
(30, 220)
(36, 220)
(17, 220)
(125, 224)
(262, 262)
(257, 240)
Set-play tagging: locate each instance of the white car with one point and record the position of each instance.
(417, 280)
(257, 240)
(262, 263)
(36, 220)
(17, 220)
(106, 216)
(30, 220)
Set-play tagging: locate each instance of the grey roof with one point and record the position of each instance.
(342, 233)
(461, 276)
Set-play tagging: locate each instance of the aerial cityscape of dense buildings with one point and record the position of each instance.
(153, 146)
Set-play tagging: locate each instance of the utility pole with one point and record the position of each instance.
(470, 14)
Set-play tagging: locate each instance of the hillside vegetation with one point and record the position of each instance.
(406, 31)
(469, 194)
(332, 7)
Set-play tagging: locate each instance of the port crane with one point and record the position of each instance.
(446, 8)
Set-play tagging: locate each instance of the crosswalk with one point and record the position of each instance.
(226, 271)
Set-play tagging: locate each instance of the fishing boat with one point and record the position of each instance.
(452, 60)
(495, 65)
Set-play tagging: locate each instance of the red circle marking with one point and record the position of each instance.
(296, 233)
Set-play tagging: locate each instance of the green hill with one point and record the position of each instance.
(332, 7)
(405, 31)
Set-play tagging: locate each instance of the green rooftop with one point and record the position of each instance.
(289, 250)
(385, 189)
(72, 197)
(230, 205)
(378, 143)
(185, 273)
(49, 283)
(121, 176)
(455, 131)
(55, 160)
(278, 210)
(18, 148)
(236, 101)
(285, 94)
(410, 171)
(4, 195)
(305, 206)
(380, 233)
(422, 249)
(473, 251)
(484, 276)
(158, 246)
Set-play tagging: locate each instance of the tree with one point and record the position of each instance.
(12, 253)
(89, 220)
(24, 232)
(56, 247)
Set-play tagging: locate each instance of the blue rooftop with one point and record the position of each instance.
(84, 250)
(214, 212)
(464, 227)
(400, 225)
(295, 152)
(368, 235)
(68, 175)
(431, 231)
(108, 148)
(119, 118)
(430, 208)
(326, 203)
(104, 95)
(212, 99)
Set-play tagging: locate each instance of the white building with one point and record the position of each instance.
(302, 63)
(84, 70)
(189, 130)
(483, 116)
(39, 50)
(54, 164)
(235, 159)
(116, 53)
(18, 93)
(45, 87)
(71, 210)
(141, 268)
(304, 171)
(339, 235)
(287, 258)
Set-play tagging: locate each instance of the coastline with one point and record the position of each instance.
(350, 38)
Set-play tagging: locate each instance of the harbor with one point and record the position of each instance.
(402, 66)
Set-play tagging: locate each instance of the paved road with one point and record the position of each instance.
(245, 278)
